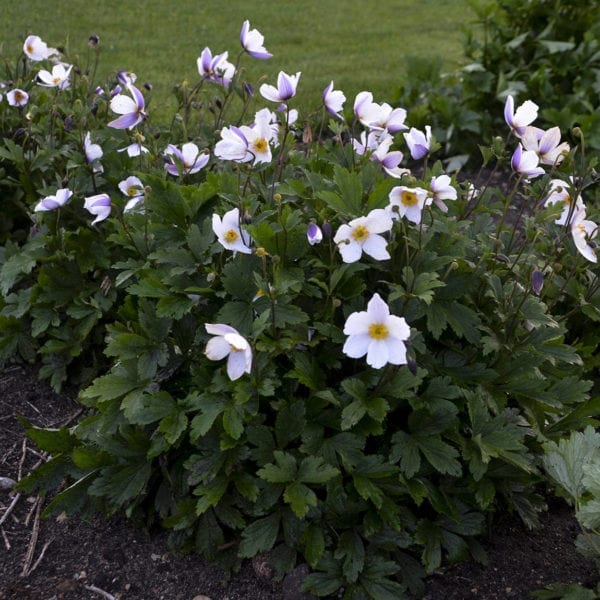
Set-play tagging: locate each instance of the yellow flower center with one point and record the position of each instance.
(378, 331)
(56, 80)
(30, 48)
(261, 145)
(567, 200)
(360, 233)
(132, 191)
(231, 236)
(19, 96)
(408, 198)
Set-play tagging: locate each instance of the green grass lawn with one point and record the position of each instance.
(360, 45)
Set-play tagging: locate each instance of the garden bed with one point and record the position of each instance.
(110, 558)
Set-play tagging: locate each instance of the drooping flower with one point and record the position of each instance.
(229, 343)
(518, 119)
(419, 143)
(286, 88)
(59, 78)
(582, 231)
(186, 161)
(378, 334)
(131, 108)
(93, 153)
(440, 190)
(407, 202)
(216, 69)
(17, 97)
(378, 116)
(546, 144)
(253, 42)
(314, 234)
(526, 163)
(559, 194)
(333, 100)
(362, 235)
(36, 49)
(98, 205)
(133, 188)
(135, 149)
(126, 77)
(53, 202)
(389, 160)
(229, 233)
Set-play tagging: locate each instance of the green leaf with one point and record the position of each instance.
(201, 424)
(173, 426)
(441, 456)
(314, 544)
(352, 414)
(350, 188)
(120, 484)
(406, 450)
(259, 536)
(589, 514)
(283, 471)
(210, 494)
(53, 441)
(300, 498)
(142, 408)
(233, 421)
(351, 548)
(313, 469)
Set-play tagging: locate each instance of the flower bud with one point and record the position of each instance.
(248, 89)
(93, 40)
(537, 281)
(247, 218)
(412, 366)
(314, 234)
(326, 229)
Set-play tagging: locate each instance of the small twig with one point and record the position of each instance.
(5, 537)
(97, 590)
(41, 455)
(34, 507)
(22, 461)
(70, 418)
(33, 541)
(9, 509)
(39, 559)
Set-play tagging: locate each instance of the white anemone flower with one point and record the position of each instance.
(229, 343)
(59, 78)
(378, 334)
(546, 144)
(188, 160)
(583, 230)
(560, 194)
(362, 235)
(17, 97)
(36, 49)
(418, 143)
(98, 205)
(440, 190)
(53, 202)
(333, 100)
(518, 119)
(407, 202)
(286, 88)
(229, 233)
(133, 188)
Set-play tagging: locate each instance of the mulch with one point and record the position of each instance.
(74, 559)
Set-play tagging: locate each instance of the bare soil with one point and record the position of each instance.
(72, 559)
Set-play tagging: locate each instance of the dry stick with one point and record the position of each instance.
(102, 593)
(9, 509)
(22, 461)
(5, 537)
(32, 542)
(39, 559)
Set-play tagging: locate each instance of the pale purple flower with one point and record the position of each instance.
(36, 49)
(389, 160)
(186, 161)
(233, 145)
(362, 235)
(17, 97)
(378, 334)
(229, 233)
(518, 119)
(253, 42)
(559, 194)
(365, 110)
(53, 202)
(440, 190)
(334, 100)
(286, 88)
(583, 230)
(58, 78)
(407, 202)
(126, 78)
(314, 234)
(368, 142)
(526, 163)
(215, 68)
(378, 116)
(131, 108)
(419, 143)
(98, 205)
(243, 144)
(133, 188)
(537, 281)
(229, 343)
(546, 144)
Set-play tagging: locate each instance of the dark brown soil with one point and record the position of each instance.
(76, 560)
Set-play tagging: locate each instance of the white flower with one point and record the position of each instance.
(17, 97)
(59, 78)
(93, 153)
(378, 334)
(440, 190)
(583, 230)
(361, 235)
(333, 100)
(188, 159)
(228, 342)
(518, 119)
(36, 49)
(286, 88)
(407, 202)
(526, 162)
(546, 144)
(559, 193)
(54, 202)
(133, 188)
(135, 149)
(314, 235)
(228, 232)
(419, 143)
(253, 42)
(98, 205)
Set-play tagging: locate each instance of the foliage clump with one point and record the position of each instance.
(290, 338)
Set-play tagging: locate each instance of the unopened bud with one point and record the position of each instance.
(261, 252)
(314, 234)
(248, 89)
(247, 218)
(93, 40)
(277, 198)
(326, 229)
(412, 366)
(537, 282)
